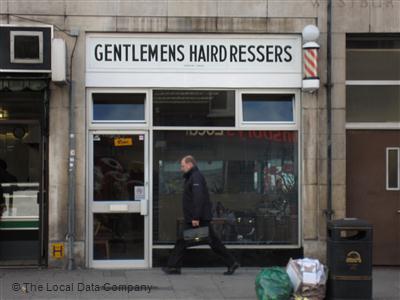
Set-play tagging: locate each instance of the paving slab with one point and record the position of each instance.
(194, 283)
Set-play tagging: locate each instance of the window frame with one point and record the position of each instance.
(269, 125)
(150, 128)
(122, 124)
(388, 188)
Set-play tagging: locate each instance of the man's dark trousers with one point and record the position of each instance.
(176, 256)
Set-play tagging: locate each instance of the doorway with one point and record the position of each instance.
(119, 206)
(369, 195)
(23, 182)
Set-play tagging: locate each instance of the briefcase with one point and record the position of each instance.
(196, 235)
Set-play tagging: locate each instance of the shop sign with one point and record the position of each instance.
(196, 53)
(123, 142)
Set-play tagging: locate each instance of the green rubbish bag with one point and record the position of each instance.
(273, 284)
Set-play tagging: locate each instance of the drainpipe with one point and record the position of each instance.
(329, 212)
(71, 166)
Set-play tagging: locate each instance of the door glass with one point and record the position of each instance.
(118, 167)
(20, 175)
(118, 236)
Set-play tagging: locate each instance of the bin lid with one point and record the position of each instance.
(349, 223)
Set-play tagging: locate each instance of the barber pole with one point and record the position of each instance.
(310, 58)
(310, 64)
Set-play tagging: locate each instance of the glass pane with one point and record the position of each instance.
(393, 169)
(252, 177)
(373, 57)
(373, 103)
(118, 166)
(267, 108)
(118, 236)
(16, 106)
(26, 47)
(193, 108)
(20, 175)
(373, 64)
(118, 107)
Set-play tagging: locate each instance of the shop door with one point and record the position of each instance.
(21, 220)
(119, 230)
(367, 196)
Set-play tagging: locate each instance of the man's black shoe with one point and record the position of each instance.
(171, 271)
(232, 269)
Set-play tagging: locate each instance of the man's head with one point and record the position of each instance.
(187, 163)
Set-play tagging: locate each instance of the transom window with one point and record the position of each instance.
(119, 107)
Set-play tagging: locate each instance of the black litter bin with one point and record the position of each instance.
(349, 259)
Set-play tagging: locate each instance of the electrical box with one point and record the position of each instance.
(59, 61)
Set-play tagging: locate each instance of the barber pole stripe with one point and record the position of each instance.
(310, 63)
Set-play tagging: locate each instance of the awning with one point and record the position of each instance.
(19, 85)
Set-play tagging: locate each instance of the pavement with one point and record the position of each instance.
(194, 283)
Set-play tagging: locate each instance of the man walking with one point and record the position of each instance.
(197, 212)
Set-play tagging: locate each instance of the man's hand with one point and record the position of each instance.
(195, 223)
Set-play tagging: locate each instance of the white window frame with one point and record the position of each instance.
(121, 124)
(14, 60)
(269, 125)
(262, 126)
(149, 126)
(398, 169)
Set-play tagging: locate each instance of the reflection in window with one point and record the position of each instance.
(393, 168)
(118, 107)
(267, 108)
(251, 175)
(118, 167)
(193, 108)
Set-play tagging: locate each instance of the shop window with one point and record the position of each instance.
(258, 108)
(372, 103)
(193, 108)
(119, 107)
(252, 177)
(392, 168)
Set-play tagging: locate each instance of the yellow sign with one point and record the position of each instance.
(57, 250)
(122, 142)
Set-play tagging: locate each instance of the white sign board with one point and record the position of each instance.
(184, 55)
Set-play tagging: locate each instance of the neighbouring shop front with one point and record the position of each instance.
(231, 101)
(24, 102)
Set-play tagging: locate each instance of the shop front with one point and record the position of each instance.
(25, 74)
(231, 101)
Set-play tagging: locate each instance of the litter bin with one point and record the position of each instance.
(349, 259)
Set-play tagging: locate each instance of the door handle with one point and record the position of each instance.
(398, 211)
(143, 207)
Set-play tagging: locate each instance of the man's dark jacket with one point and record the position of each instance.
(196, 199)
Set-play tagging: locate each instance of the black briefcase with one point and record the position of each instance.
(196, 235)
